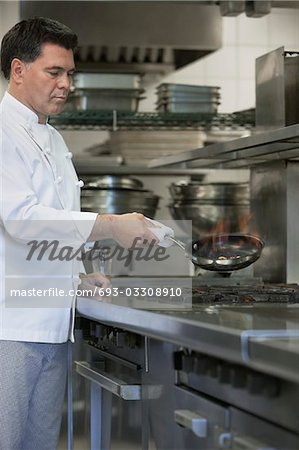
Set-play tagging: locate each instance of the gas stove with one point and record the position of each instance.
(246, 291)
(202, 290)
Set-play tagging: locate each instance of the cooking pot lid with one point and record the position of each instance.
(113, 182)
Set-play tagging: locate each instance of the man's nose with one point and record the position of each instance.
(64, 81)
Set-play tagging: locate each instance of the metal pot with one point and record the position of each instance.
(112, 182)
(231, 193)
(119, 201)
(206, 216)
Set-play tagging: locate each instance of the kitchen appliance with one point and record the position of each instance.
(134, 37)
(228, 379)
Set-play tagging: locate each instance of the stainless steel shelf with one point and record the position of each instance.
(279, 144)
(95, 166)
(113, 120)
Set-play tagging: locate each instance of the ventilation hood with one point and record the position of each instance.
(135, 36)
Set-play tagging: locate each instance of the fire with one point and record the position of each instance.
(219, 236)
(244, 223)
(229, 247)
(224, 226)
(222, 229)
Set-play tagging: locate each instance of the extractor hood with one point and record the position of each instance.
(138, 36)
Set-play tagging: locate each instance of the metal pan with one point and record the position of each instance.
(223, 252)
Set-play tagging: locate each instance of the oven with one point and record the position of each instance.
(146, 392)
(110, 375)
(211, 403)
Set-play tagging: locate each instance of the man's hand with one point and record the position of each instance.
(93, 280)
(127, 229)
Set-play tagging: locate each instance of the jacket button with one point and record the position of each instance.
(69, 155)
(58, 180)
(48, 150)
(80, 183)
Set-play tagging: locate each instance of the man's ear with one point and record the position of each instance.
(17, 70)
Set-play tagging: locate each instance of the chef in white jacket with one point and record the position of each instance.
(40, 201)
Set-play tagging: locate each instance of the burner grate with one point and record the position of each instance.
(246, 294)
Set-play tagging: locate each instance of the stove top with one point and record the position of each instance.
(251, 293)
(205, 290)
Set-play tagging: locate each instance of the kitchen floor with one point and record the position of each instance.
(80, 444)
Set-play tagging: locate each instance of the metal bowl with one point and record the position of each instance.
(205, 217)
(236, 193)
(119, 201)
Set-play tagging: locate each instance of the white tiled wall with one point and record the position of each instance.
(233, 66)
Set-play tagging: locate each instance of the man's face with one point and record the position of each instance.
(46, 82)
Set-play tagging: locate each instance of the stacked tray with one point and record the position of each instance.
(90, 80)
(100, 91)
(184, 98)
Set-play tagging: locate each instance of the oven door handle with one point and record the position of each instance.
(193, 421)
(248, 443)
(118, 387)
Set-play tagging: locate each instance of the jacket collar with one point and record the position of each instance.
(16, 109)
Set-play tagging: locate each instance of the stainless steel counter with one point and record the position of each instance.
(261, 336)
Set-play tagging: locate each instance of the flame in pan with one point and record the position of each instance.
(221, 231)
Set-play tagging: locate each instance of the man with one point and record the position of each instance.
(40, 196)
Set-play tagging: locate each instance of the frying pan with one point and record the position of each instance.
(223, 252)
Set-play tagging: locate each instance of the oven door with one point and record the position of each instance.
(114, 409)
(249, 432)
(200, 423)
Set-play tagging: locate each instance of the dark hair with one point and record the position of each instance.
(25, 39)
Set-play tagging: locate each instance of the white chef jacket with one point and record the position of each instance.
(40, 201)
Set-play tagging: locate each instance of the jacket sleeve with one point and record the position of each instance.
(23, 216)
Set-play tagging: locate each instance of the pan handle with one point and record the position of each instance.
(177, 242)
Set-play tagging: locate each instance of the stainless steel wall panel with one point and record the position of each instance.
(275, 211)
(277, 89)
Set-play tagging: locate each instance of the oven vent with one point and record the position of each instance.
(136, 36)
(126, 55)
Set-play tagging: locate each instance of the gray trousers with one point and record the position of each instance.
(32, 387)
